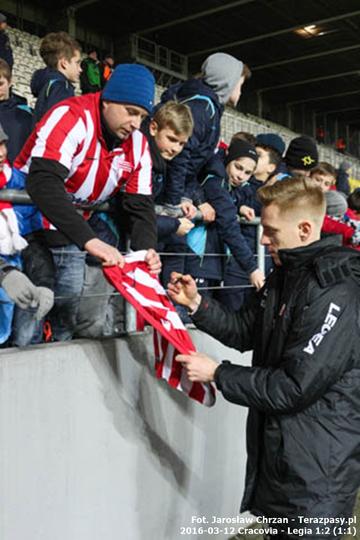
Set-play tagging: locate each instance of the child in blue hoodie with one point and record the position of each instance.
(61, 54)
(223, 178)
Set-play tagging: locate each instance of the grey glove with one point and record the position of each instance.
(25, 295)
(46, 302)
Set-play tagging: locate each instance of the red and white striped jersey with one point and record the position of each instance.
(145, 293)
(5, 176)
(10, 240)
(70, 133)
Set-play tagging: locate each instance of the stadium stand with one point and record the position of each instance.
(27, 60)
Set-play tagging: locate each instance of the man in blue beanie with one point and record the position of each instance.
(85, 150)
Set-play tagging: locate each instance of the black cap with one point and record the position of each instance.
(302, 153)
(3, 18)
(238, 149)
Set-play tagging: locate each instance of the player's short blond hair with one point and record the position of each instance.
(296, 193)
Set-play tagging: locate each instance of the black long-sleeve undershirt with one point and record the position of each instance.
(45, 184)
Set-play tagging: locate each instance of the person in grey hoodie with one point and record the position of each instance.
(219, 84)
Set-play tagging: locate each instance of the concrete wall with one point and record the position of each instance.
(93, 447)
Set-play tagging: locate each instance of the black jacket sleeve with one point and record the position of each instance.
(320, 349)
(138, 215)
(342, 181)
(166, 226)
(234, 329)
(45, 185)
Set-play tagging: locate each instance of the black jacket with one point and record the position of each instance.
(16, 118)
(206, 111)
(303, 390)
(50, 87)
(5, 49)
(220, 195)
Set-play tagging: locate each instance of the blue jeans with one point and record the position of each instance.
(69, 263)
(7, 306)
(6, 315)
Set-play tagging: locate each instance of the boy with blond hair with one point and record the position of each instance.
(168, 132)
(61, 54)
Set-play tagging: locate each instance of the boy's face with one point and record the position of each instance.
(169, 143)
(4, 88)
(71, 68)
(325, 181)
(122, 120)
(264, 167)
(240, 170)
(3, 154)
(236, 93)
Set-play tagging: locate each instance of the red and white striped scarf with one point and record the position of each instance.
(171, 338)
(10, 240)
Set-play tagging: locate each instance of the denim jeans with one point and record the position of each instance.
(7, 306)
(98, 309)
(69, 265)
(6, 315)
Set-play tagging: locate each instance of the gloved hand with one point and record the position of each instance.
(25, 295)
(46, 302)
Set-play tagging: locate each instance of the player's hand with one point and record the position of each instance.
(198, 366)
(183, 290)
(257, 279)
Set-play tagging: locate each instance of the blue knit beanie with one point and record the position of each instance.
(133, 84)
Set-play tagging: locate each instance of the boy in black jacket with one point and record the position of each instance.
(269, 148)
(223, 179)
(61, 54)
(16, 117)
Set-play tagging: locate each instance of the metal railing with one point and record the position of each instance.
(21, 197)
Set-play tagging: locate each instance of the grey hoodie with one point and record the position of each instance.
(222, 72)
